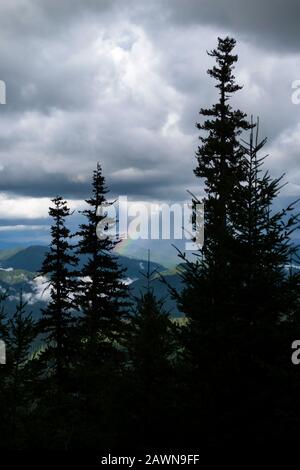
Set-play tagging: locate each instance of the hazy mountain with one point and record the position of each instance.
(30, 258)
(19, 268)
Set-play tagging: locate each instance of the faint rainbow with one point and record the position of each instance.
(122, 247)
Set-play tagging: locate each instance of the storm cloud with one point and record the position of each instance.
(121, 82)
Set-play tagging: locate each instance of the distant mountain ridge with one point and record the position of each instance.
(31, 259)
(19, 267)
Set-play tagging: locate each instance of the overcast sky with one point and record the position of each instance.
(121, 82)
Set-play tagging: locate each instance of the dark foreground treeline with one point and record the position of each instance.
(116, 372)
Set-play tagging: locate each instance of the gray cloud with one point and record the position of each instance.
(121, 82)
(275, 22)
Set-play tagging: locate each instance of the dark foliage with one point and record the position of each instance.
(119, 374)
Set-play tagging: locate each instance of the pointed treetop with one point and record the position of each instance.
(223, 72)
(149, 273)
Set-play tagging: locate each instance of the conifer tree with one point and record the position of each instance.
(102, 299)
(220, 156)
(150, 336)
(21, 373)
(267, 292)
(263, 246)
(57, 320)
(207, 299)
(102, 294)
(236, 292)
(151, 348)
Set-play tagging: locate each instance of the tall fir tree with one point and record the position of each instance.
(151, 345)
(103, 301)
(266, 297)
(263, 245)
(21, 372)
(207, 299)
(57, 320)
(102, 294)
(151, 336)
(220, 156)
(236, 293)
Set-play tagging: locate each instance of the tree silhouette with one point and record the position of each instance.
(21, 376)
(102, 297)
(57, 318)
(112, 371)
(263, 247)
(151, 347)
(102, 294)
(236, 292)
(207, 300)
